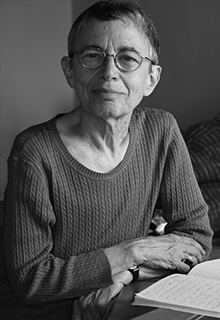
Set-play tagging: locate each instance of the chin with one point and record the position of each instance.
(115, 113)
(112, 109)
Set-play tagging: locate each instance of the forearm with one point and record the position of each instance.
(50, 278)
(193, 222)
(180, 197)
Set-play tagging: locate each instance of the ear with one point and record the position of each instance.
(68, 70)
(153, 79)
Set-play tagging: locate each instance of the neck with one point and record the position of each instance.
(104, 134)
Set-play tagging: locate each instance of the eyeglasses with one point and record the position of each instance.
(125, 60)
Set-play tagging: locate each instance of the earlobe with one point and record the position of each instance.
(154, 78)
(67, 70)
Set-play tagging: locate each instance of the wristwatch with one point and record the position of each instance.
(135, 272)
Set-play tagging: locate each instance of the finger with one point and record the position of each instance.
(188, 245)
(93, 309)
(194, 253)
(76, 314)
(84, 304)
(174, 259)
(183, 267)
(194, 244)
(102, 302)
(187, 263)
(89, 306)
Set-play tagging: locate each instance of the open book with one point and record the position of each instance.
(197, 292)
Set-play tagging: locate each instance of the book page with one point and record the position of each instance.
(208, 269)
(184, 293)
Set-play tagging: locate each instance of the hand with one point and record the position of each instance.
(94, 305)
(166, 252)
(170, 251)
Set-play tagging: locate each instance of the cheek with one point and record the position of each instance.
(81, 82)
(136, 91)
(79, 78)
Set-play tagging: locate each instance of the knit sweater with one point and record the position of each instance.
(60, 215)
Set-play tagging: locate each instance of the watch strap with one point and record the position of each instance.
(135, 272)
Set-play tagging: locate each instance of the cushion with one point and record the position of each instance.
(203, 142)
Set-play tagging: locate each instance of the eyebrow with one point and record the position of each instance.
(127, 48)
(121, 48)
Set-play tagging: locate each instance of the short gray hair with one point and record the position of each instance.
(113, 10)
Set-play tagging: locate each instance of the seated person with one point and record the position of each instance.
(83, 187)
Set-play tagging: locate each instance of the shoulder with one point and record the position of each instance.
(32, 139)
(155, 120)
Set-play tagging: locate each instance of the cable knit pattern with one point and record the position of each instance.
(59, 214)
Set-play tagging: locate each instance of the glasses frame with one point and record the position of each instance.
(105, 55)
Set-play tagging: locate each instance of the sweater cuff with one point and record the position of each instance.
(107, 274)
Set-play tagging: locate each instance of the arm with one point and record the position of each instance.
(188, 229)
(182, 202)
(37, 274)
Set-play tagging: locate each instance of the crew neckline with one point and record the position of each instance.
(83, 169)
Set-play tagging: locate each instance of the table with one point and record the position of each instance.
(121, 308)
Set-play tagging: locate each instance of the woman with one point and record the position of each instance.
(83, 187)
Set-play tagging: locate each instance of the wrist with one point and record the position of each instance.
(124, 277)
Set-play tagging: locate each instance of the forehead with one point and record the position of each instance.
(113, 34)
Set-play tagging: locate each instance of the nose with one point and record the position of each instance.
(108, 70)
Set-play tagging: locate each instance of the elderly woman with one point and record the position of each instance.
(83, 187)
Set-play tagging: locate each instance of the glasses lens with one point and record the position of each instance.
(128, 60)
(91, 58)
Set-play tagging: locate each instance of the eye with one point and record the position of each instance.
(91, 58)
(128, 58)
(91, 54)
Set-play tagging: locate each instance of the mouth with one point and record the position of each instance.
(107, 92)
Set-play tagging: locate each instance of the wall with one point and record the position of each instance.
(32, 88)
(33, 39)
(189, 31)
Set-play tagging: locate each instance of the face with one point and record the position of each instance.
(107, 91)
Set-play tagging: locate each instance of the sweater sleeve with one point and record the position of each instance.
(35, 273)
(183, 205)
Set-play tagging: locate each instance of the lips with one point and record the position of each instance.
(106, 91)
